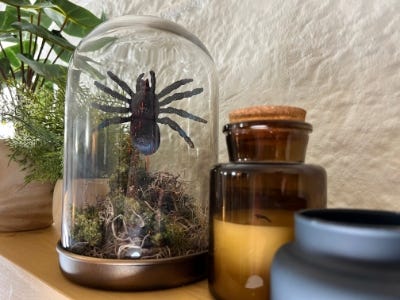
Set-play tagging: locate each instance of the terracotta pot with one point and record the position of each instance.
(22, 206)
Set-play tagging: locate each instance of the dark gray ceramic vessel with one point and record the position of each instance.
(340, 254)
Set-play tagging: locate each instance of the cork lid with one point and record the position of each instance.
(259, 113)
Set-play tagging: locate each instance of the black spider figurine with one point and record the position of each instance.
(145, 107)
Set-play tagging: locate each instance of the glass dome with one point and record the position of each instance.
(140, 139)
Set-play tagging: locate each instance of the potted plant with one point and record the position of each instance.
(37, 40)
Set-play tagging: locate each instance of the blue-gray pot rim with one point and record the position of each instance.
(352, 217)
(357, 234)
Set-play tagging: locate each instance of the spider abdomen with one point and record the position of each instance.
(145, 135)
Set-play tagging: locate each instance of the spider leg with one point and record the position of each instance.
(138, 81)
(111, 92)
(172, 87)
(121, 83)
(176, 127)
(180, 96)
(182, 113)
(115, 120)
(110, 109)
(153, 82)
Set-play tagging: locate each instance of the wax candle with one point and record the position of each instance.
(243, 253)
(253, 197)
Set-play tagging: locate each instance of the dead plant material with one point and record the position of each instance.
(154, 219)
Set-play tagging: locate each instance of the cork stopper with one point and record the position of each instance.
(260, 113)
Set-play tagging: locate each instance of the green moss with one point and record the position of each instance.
(87, 229)
(161, 219)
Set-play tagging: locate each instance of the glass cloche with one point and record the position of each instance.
(140, 138)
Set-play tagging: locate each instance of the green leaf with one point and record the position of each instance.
(70, 28)
(45, 34)
(28, 4)
(51, 72)
(11, 15)
(11, 53)
(26, 15)
(6, 19)
(77, 14)
(28, 12)
(18, 76)
(65, 55)
(4, 68)
(39, 4)
(45, 21)
(9, 38)
(55, 15)
(97, 44)
(77, 30)
(17, 2)
(82, 63)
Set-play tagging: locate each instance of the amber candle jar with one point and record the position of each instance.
(253, 197)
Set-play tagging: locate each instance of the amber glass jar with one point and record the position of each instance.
(253, 198)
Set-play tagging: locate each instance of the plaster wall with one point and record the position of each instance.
(338, 59)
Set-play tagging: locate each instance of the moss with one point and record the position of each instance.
(87, 229)
(162, 220)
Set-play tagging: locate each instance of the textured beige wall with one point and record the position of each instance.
(338, 59)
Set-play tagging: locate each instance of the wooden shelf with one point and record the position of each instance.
(29, 270)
